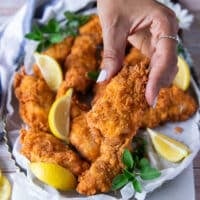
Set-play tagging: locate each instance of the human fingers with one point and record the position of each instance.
(115, 31)
(163, 63)
(142, 41)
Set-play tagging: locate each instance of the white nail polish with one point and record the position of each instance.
(155, 102)
(102, 76)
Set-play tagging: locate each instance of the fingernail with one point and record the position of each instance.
(155, 102)
(102, 76)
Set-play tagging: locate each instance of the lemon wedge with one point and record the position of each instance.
(182, 78)
(54, 175)
(59, 116)
(5, 188)
(50, 70)
(167, 147)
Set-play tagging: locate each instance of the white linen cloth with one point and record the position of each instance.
(12, 48)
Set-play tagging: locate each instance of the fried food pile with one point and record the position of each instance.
(101, 129)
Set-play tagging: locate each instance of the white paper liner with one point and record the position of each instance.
(189, 136)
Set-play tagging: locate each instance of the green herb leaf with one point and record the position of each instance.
(55, 38)
(33, 36)
(51, 27)
(53, 32)
(81, 19)
(150, 173)
(93, 75)
(43, 45)
(73, 24)
(36, 34)
(144, 163)
(137, 185)
(69, 31)
(128, 174)
(119, 181)
(127, 159)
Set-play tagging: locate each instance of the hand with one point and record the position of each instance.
(142, 23)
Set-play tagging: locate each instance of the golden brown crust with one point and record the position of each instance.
(43, 147)
(61, 50)
(35, 99)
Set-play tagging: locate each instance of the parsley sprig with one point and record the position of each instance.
(55, 31)
(137, 168)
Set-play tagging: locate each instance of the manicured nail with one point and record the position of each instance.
(102, 76)
(155, 102)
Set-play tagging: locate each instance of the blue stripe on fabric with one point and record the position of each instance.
(40, 10)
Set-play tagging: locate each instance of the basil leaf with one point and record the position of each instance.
(137, 185)
(93, 75)
(129, 175)
(119, 181)
(144, 163)
(149, 173)
(127, 159)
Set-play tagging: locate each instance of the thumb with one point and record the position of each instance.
(114, 38)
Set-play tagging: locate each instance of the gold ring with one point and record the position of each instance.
(169, 37)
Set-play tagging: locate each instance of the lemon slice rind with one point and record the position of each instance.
(182, 78)
(50, 70)
(59, 116)
(54, 175)
(175, 150)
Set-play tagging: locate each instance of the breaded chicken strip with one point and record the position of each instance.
(35, 99)
(43, 147)
(115, 117)
(173, 104)
(92, 28)
(87, 143)
(132, 58)
(61, 50)
(83, 57)
(119, 113)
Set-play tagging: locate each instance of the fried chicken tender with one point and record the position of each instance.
(93, 28)
(43, 147)
(132, 58)
(60, 50)
(35, 99)
(173, 104)
(87, 143)
(114, 117)
(119, 113)
(83, 57)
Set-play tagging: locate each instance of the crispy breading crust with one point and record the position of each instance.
(43, 147)
(35, 99)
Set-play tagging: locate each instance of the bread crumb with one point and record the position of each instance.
(178, 129)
